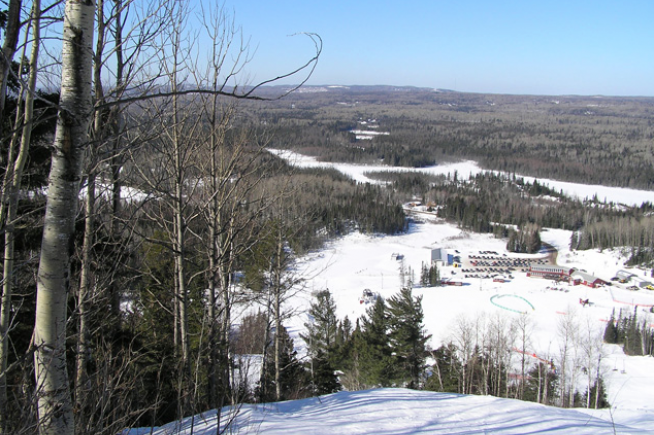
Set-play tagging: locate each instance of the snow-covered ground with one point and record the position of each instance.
(403, 412)
(466, 168)
(356, 262)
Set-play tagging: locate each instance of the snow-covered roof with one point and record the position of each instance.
(587, 277)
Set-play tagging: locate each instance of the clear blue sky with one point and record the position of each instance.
(497, 46)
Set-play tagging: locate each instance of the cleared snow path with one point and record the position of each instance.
(464, 169)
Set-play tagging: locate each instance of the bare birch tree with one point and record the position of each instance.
(9, 46)
(592, 353)
(567, 332)
(69, 145)
(524, 327)
(10, 193)
(501, 333)
(465, 339)
(71, 139)
(125, 30)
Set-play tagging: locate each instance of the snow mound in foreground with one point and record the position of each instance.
(399, 411)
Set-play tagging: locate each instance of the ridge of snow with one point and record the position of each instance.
(399, 411)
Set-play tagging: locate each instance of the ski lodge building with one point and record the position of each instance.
(557, 273)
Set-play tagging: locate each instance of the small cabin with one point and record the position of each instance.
(583, 278)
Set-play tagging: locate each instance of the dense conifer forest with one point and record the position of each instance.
(594, 140)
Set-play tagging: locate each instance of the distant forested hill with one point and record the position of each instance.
(599, 140)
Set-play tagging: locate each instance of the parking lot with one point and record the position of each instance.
(488, 264)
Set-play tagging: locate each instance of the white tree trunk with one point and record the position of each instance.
(53, 394)
(11, 31)
(13, 179)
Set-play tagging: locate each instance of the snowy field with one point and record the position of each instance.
(356, 262)
(466, 168)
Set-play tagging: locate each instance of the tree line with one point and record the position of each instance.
(512, 208)
(632, 232)
(592, 141)
(492, 354)
(486, 355)
(384, 348)
(634, 335)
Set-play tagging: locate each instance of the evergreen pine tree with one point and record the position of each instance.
(541, 384)
(349, 360)
(374, 354)
(434, 276)
(293, 376)
(429, 276)
(424, 275)
(407, 336)
(602, 401)
(324, 379)
(321, 331)
(611, 330)
(345, 330)
(621, 325)
(340, 355)
(321, 338)
(445, 371)
(632, 342)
